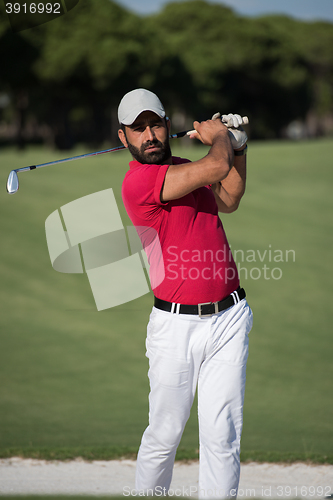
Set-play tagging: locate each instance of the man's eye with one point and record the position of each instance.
(143, 128)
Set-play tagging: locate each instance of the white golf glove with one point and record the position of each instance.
(234, 124)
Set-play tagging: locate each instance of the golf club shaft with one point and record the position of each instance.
(32, 167)
(13, 180)
(12, 185)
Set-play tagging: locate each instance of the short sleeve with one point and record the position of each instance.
(141, 190)
(159, 184)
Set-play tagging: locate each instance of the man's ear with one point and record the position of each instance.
(122, 137)
(168, 123)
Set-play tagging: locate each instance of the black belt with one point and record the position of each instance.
(205, 309)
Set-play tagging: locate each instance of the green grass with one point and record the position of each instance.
(74, 380)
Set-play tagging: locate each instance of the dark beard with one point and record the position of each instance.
(154, 157)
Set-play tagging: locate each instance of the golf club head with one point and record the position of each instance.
(12, 182)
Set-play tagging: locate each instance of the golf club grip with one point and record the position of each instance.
(245, 121)
(178, 135)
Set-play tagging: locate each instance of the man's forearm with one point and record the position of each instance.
(183, 179)
(229, 191)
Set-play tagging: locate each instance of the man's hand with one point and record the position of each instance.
(208, 131)
(234, 123)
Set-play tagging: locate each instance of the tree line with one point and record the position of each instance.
(61, 82)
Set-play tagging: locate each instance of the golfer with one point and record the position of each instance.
(197, 335)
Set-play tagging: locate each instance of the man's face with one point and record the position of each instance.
(148, 139)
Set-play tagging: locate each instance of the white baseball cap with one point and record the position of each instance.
(135, 102)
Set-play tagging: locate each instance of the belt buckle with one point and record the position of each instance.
(206, 304)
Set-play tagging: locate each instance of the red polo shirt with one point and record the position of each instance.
(197, 260)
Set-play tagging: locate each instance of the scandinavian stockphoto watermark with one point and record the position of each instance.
(252, 264)
(87, 236)
(207, 264)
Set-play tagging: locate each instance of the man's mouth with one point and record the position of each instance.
(152, 148)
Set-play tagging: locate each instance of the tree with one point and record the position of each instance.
(273, 68)
(199, 57)
(17, 57)
(88, 59)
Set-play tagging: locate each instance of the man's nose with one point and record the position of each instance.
(149, 134)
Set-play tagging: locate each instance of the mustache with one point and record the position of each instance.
(154, 142)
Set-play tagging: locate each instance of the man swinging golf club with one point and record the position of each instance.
(198, 329)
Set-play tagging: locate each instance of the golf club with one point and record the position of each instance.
(13, 181)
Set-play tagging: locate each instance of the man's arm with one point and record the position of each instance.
(213, 168)
(230, 190)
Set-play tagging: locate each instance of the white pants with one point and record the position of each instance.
(185, 351)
